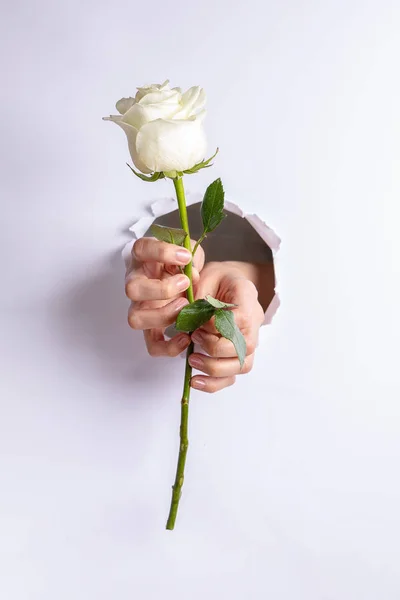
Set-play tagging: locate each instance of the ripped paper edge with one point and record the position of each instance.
(163, 206)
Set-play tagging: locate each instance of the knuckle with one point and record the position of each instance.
(247, 367)
(152, 351)
(173, 352)
(246, 321)
(173, 349)
(260, 313)
(138, 247)
(251, 347)
(213, 264)
(128, 289)
(163, 251)
(131, 289)
(134, 320)
(214, 368)
(212, 349)
(167, 289)
(252, 288)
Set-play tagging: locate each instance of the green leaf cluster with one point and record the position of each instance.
(196, 314)
(204, 164)
(212, 207)
(150, 178)
(172, 235)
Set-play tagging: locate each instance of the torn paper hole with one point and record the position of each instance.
(240, 236)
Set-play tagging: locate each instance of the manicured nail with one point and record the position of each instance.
(183, 257)
(179, 303)
(197, 338)
(196, 362)
(182, 283)
(199, 383)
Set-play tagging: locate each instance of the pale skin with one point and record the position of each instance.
(156, 288)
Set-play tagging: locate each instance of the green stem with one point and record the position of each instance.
(183, 444)
(180, 195)
(197, 244)
(183, 430)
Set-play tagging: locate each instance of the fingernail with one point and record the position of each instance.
(180, 303)
(199, 383)
(183, 256)
(196, 362)
(197, 338)
(182, 283)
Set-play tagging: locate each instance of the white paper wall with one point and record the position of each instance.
(292, 489)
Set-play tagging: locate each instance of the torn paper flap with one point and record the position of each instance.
(240, 237)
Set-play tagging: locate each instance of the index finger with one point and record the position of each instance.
(157, 345)
(219, 347)
(152, 250)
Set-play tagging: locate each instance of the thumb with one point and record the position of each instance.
(199, 257)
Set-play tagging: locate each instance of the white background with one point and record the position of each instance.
(292, 489)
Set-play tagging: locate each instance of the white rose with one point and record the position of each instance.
(164, 127)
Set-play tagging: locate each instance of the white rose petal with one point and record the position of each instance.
(124, 105)
(141, 114)
(174, 145)
(160, 96)
(145, 89)
(131, 134)
(163, 127)
(192, 101)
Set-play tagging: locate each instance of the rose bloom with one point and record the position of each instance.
(164, 127)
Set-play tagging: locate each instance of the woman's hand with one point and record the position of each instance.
(156, 287)
(241, 284)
